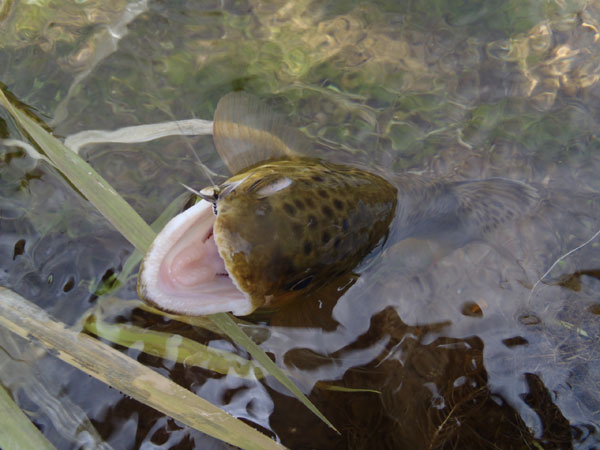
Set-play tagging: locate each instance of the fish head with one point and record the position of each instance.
(281, 230)
(289, 227)
(282, 226)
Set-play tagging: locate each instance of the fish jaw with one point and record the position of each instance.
(183, 271)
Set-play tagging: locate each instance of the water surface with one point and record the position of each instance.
(470, 352)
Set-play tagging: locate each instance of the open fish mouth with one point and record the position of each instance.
(183, 272)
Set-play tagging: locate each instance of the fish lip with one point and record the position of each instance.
(221, 295)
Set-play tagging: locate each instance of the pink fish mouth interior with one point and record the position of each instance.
(184, 273)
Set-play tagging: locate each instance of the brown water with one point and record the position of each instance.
(470, 352)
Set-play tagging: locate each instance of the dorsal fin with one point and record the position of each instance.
(246, 132)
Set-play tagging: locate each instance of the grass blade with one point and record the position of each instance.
(175, 348)
(133, 228)
(23, 370)
(228, 326)
(17, 432)
(125, 374)
(112, 206)
(114, 283)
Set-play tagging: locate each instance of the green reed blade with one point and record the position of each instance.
(87, 180)
(112, 285)
(125, 374)
(175, 348)
(17, 432)
(132, 227)
(227, 324)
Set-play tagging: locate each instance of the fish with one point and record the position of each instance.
(287, 223)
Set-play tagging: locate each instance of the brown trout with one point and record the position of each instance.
(285, 225)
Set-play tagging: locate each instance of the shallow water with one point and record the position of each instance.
(470, 352)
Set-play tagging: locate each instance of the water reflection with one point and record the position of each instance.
(482, 346)
(468, 351)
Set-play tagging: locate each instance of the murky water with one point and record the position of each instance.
(469, 352)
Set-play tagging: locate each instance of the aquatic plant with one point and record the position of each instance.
(131, 225)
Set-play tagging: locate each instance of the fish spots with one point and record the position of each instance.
(302, 234)
(337, 242)
(298, 230)
(288, 208)
(327, 211)
(283, 265)
(307, 247)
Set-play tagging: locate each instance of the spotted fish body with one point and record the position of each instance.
(291, 226)
(285, 224)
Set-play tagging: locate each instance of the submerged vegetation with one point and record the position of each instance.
(494, 343)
